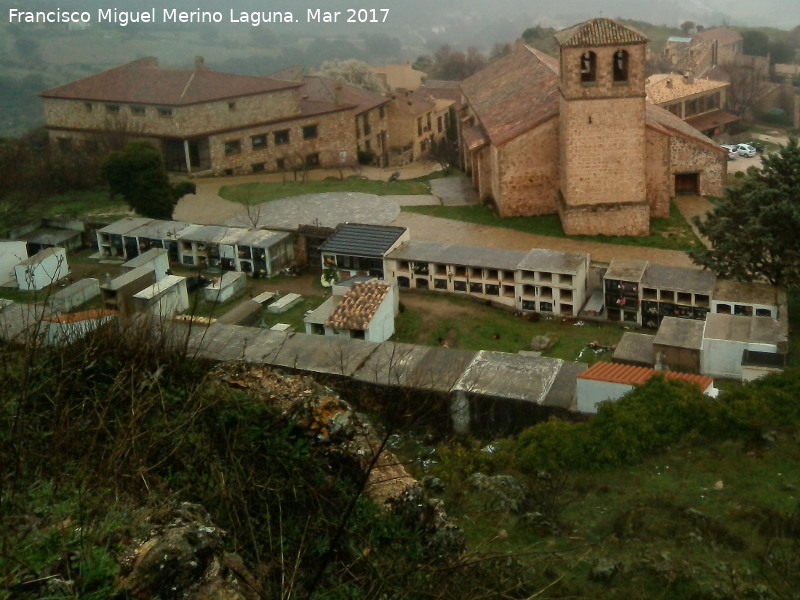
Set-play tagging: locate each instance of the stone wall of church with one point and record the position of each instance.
(484, 170)
(528, 172)
(660, 182)
(610, 219)
(690, 156)
(604, 151)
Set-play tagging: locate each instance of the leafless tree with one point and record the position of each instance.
(353, 72)
(747, 86)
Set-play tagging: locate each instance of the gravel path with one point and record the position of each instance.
(207, 208)
(446, 231)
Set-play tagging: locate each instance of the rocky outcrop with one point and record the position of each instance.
(183, 556)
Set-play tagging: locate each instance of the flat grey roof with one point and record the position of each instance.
(321, 314)
(635, 348)
(449, 254)
(40, 256)
(333, 355)
(740, 292)
(553, 261)
(50, 236)
(243, 311)
(128, 277)
(159, 287)
(354, 239)
(741, 328)
(212, 234)
(414, 367)
(262, 238)
(125, 225)
(563, 391)
(160, 230)
(73, 288)
(680, 333)
(145, 257)
(500, 375)
(626, 270)
(18, 319)
(229, 342)
(682, 279)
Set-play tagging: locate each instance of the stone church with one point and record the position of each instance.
(576, 136)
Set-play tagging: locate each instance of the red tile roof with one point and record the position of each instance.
(599, 32)
(514, 94)
(664, 121)
(474, 137)
(144, 82)
(322, 89)
(723, 35)
(87, 315)
(630, 375)
(413, 103)
(358, 306)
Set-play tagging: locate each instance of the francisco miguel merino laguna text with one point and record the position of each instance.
(168, 15)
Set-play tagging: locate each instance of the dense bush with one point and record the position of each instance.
(651, 418)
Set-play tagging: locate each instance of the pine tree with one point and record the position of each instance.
(137, 174)
(755, 231)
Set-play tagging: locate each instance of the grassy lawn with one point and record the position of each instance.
(488, 328)
(17, 210)
(670, 234)
(684, 518)
(256, 193)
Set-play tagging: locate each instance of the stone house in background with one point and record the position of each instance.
(575, 136)
(369, 111)
(402, 76)
(417, 120)
(202, 120)
(699, 102)
(727, 43)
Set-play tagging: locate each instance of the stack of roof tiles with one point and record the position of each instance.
(358, 306)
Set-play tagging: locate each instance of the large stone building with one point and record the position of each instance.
(576, 136)
(205, 121)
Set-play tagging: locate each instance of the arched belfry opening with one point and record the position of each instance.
(588, 67)
(621, 66)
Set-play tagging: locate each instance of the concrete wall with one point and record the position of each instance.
(381, 328)
(36, 274)
(591, 393)
(11, 254)
(76, 294)
(58, 333)
(722, 358)
(226, 288)
(165, 298)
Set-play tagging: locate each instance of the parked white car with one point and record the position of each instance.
(745, 150)
(733, 151)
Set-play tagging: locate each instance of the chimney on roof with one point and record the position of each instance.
(688, 78)
(669, 82)
(337, 94)
(199, 63)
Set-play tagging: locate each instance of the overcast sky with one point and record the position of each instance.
(404, 13)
